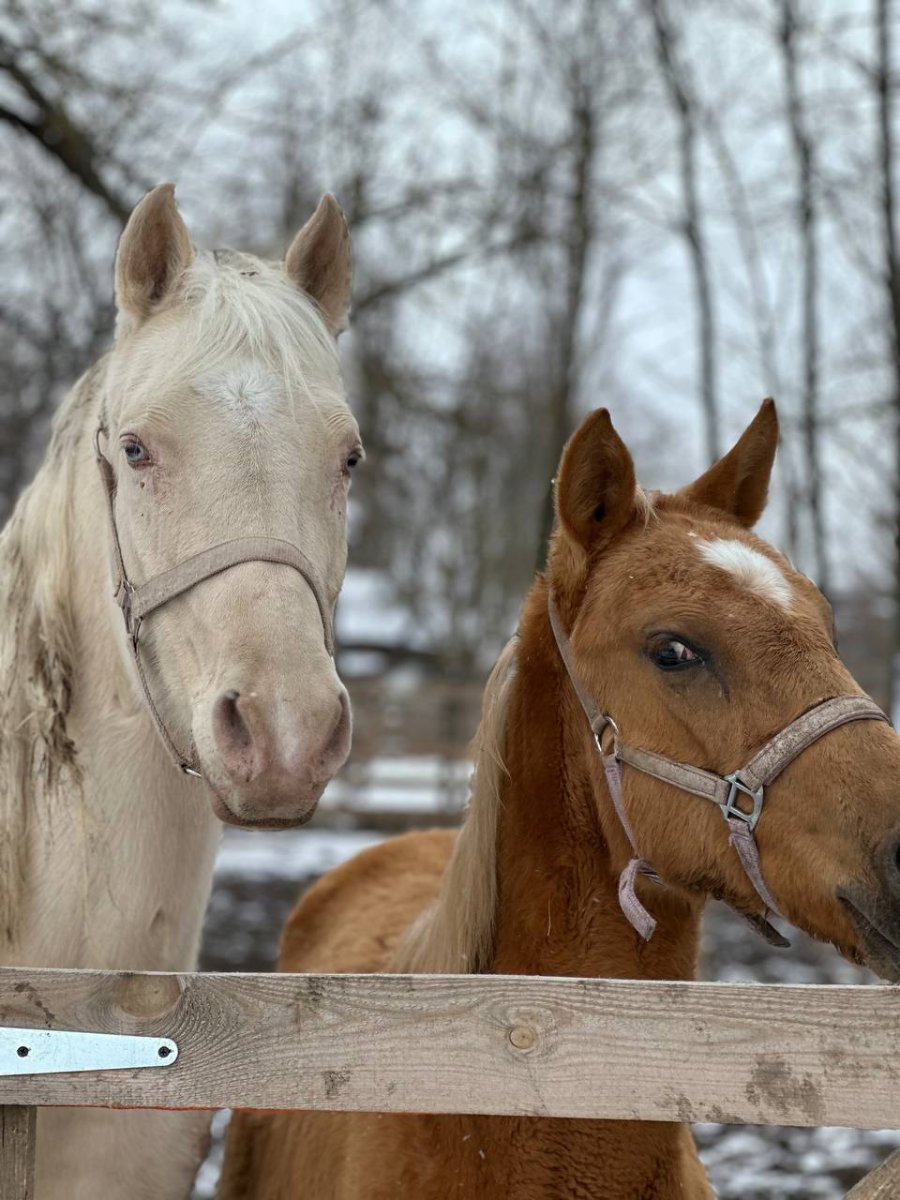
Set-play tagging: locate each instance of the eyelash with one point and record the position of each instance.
(129, 443)
(685, 657)
(353, 459)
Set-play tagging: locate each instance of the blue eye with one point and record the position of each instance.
(135, 453)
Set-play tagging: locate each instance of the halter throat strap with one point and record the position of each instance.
(138, 601)
(739, 795)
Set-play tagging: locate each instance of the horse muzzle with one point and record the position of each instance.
(267, 762)
(876, 923)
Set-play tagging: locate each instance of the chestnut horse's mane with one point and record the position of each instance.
(455, 935)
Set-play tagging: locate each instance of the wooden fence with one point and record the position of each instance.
(763, 1054)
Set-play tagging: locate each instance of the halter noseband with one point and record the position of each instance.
(740, 795)
(138, 601)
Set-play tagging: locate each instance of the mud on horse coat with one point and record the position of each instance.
(684, 646)
(195, 484)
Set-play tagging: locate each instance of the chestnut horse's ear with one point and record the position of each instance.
(154, 252)
(318, 261)
(738, 484)
(595, 486)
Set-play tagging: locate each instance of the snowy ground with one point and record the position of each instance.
(259, 877)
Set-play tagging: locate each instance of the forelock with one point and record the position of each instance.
(237, 308)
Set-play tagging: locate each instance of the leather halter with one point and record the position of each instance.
(739, 795)
(138, 601)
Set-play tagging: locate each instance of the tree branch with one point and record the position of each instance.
(58, 135)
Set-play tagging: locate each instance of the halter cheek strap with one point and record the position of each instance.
(739, 795)
(138, 601)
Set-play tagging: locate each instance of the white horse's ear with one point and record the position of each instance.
(318, 261)
(154, 252)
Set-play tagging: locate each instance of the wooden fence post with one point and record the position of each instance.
(881, 1184)
(18, 1136)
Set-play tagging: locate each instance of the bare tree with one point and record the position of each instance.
(884, 86)
(675, 79)
(47, 121)
(807, 219)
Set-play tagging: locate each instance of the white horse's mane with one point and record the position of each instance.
(36, 644)
(232, 305)
(455, 935)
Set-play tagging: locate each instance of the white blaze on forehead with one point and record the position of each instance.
(246, 392)
(752, 569)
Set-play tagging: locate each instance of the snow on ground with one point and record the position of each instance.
(417, 785)
(294, 854)
(368, 612)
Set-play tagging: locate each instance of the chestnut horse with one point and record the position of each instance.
(691, 642)
(199, 472)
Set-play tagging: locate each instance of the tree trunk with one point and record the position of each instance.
(807, 220)
(892, 282)
(577, 251)
(692, 225)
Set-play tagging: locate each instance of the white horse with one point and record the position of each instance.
(224, 446)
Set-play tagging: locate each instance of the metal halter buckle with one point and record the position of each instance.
(124, 597)
(731, 808)
(599, 727)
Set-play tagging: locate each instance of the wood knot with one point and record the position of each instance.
(140, 996)
(523, 1037)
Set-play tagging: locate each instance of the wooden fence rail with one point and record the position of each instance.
(488, 1044)
(764, 1054)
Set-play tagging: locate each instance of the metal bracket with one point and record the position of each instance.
(51, 1051)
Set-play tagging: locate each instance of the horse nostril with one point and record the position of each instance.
(230, 725)
(889, 865)
(337, 745)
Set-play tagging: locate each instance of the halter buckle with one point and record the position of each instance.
(124, 597)
(731, 808)
(598, 727)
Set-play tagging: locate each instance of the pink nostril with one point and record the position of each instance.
(234, 722)
(234, 737)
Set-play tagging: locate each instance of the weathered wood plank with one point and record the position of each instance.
(492, 1044)
(881, 1184)
(17, 1142)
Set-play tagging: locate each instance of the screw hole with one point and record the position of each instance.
(164, 1051)
(22, 1052)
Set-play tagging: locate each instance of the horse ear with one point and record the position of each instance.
(318, 261)
(154, 252)
(595, 486)
(738, 484)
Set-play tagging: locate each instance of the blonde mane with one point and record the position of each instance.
(36, 644)
(456, 934)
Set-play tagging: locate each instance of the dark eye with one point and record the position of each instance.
(135, 452)
(352, 460)
(670, 654)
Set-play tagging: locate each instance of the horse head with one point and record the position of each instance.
(696, 649)
(226, 442)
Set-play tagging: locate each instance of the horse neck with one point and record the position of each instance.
(557, 891)
(106, 833)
